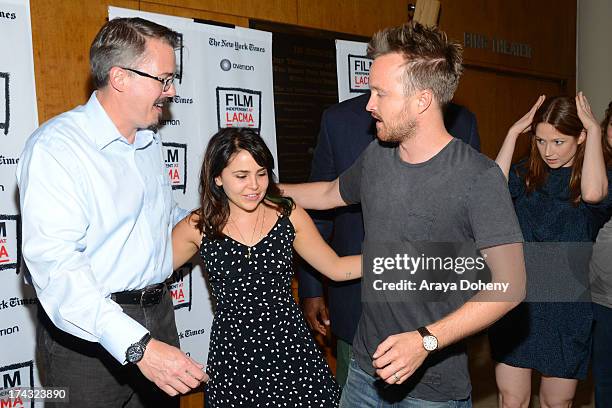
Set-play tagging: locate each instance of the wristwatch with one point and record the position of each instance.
(136, 351)
(430, 342)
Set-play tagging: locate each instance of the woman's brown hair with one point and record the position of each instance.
(214, 207)
(561, 113)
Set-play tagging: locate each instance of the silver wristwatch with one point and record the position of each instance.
(136, 351)
(430, 342)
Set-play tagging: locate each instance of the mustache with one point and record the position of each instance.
(163, 100)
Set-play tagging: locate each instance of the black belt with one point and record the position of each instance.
(149, 296)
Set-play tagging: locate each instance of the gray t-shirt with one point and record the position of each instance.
(459, 195)
(601, 267)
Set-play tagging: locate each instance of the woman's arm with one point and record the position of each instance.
(185, 240)
(504, 157)
(594, 180)
(311, 246)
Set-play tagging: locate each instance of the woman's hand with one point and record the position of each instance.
(524, 124)
(504, 156)
(586, 116)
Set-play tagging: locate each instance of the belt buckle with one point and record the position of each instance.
(142, 295)
(151, 293)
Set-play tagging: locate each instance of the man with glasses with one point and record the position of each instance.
(97, 214)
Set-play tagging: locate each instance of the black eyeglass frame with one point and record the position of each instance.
(166, 82)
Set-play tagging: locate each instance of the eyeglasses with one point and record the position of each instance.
(166, 82)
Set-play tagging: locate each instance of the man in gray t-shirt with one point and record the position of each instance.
(419, 184)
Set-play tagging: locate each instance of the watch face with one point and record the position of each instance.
(430, 343)
(135, 353)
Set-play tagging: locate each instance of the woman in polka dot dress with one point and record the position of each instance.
(261, 353)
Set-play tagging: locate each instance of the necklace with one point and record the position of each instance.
(248, 255)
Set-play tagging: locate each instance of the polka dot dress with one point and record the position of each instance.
(261, 352)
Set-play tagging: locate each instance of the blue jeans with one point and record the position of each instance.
(602, 355)
(364, 391)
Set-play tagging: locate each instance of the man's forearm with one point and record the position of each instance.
(320, 195)
(507, 266)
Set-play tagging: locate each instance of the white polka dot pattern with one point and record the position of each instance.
(261, 352)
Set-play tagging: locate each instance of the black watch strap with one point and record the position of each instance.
(145, 340)
(424, 332)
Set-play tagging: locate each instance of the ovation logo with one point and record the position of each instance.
(7, 331)
(227, 65)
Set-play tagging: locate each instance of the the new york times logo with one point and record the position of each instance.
(227, 65)
(191, 332)
(15, 301)
(8, 161)
(19, 375)
(238, 107)
(359, 73)
(236, 45)
(10, 242)
(5, 109)
(175, 158)
(7, 15)
(180, 289)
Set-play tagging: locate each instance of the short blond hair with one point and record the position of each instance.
(432, 60)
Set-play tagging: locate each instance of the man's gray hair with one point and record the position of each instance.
(122, 42)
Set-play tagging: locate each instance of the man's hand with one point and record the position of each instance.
(316, 314)
(399, 356)
(170, 369)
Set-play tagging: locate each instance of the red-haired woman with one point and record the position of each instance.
(560, 195)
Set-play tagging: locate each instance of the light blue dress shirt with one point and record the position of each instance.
(97, 215)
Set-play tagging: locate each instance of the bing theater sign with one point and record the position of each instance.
(497, 45)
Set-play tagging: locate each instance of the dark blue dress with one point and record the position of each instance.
(552, 338)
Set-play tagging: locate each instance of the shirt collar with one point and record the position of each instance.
(105, 132)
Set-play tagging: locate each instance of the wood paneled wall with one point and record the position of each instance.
(62, 31)
(498, 88)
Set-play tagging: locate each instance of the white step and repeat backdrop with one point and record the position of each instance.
(18, 118)
(225, 81)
